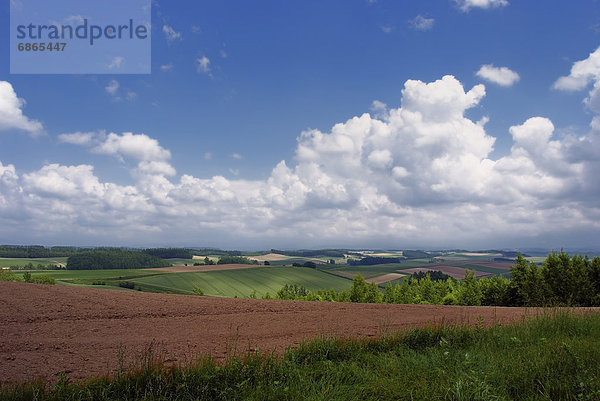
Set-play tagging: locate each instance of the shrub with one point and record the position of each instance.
(43, 279)
(7, 275)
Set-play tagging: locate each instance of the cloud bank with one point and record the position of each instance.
(417, 175)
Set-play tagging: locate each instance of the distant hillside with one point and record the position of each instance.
(506, 254)
(312, 253)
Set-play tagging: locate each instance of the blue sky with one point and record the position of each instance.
(235, 84)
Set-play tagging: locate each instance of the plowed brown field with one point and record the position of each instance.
(46, 329)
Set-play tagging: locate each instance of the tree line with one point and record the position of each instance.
(238, 260)
(188, 253)
(560, 281)
(372, 260)
(35, 251)
(39, 251)
(107, 258)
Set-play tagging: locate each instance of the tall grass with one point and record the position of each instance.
(551, 357)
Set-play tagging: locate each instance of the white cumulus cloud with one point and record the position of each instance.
(78, 138)
(583, 73)
(466, 5)
(421, 23)
(112, 87)
(116, 62)
(502, 76)
(170, 33)
(137, 146)
(203, 65)
(11, 112)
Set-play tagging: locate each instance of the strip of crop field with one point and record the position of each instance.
(87, 276)
(6, 262)
(242, 283)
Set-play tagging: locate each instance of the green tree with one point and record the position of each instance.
(343, 296)
(469, 292)
(582, 288)
(518, 282)
(388, 295)
(373, 295)
(554, 272)
(404, 294)
(594, 277)
(494, 291)
(358, 291)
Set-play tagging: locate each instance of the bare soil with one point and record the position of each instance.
(48, 329)
(495, 265)
(385, 278)
(270, 257)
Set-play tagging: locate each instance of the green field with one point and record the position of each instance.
(378, 270)
(244, 282)
(498, 272)
(241, 283)
(226, 283)
(190, 262)
(83, 276)
(7, 262)
(86, 278)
